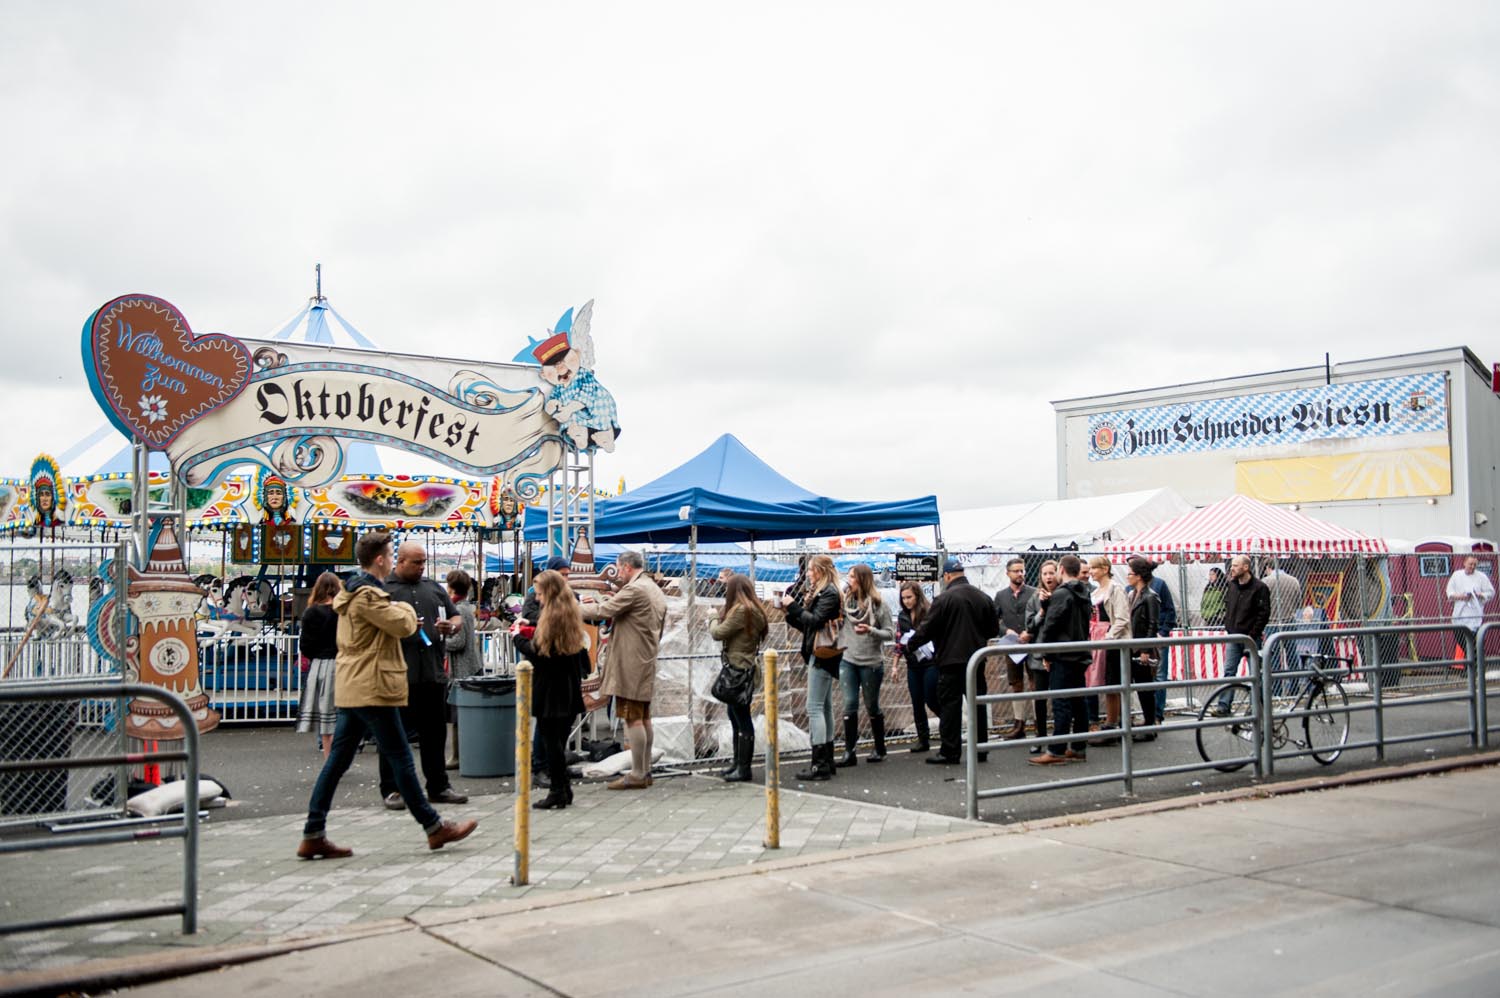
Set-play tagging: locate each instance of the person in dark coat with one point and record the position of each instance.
(558, 653)
(1010, 607)
(1247, 611)
(921, 676)
(811, 606)
(961, 621)
(1067, 619)
(1145, 622)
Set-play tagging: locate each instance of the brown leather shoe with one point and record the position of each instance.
(451, 831)
(1046, 759)
(1072, 756)
(629, 782)
(1016, 733)
(321, 848)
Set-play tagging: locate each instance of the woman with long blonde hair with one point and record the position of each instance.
(811, 606)
(867, 627)
(741, 627)
(558, 651)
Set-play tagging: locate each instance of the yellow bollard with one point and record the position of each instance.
(521, 876)
(773, 758)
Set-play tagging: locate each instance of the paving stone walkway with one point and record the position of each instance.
(253, 888)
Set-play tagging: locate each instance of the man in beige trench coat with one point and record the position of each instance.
(639, 612)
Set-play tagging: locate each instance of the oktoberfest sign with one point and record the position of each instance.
(1416, 403)
(214, 403)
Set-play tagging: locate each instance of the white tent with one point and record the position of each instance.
(1087, 522)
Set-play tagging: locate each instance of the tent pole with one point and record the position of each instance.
(752, 561)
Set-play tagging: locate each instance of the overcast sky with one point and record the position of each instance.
(873, 241)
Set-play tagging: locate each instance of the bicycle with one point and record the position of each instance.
(1325, 724)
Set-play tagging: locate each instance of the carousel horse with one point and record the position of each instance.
(57, 617)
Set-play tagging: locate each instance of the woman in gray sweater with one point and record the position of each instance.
(867, 627)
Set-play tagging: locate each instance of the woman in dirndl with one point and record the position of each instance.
(319, 647)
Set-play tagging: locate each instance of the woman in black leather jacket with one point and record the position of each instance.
(1145, 613)
(921, 675)
(811, 611)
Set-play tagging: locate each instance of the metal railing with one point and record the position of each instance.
(1377, 675)
(42, 764)
(1275, 700)
(1483, 701)
(1127, 774)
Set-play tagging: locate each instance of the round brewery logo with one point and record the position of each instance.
(1104, 439)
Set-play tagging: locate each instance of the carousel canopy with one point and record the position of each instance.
(730, 494)
(1240, 524)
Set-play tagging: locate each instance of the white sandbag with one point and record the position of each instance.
(170, 797)
(673, 738)
(615, 764)
(791, 737)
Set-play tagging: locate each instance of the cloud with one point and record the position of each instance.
(875, 246)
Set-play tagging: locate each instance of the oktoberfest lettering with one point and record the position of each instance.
(310, 402)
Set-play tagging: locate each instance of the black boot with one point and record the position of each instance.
(877, 729)
(924, 733)
(744, 748)
(851, 735)
(820, 767)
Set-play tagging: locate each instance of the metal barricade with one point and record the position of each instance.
(1281, 688)
(251, 677)
(44, 764)
(1483, 679)
(1127, 774)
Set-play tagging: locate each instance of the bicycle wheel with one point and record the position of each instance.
(1327, 729)
(1227, 741)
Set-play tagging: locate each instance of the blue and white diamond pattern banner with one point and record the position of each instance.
(1417, 403)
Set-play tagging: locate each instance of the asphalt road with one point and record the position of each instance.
(270, 770)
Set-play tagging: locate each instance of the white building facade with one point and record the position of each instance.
(1399, 447)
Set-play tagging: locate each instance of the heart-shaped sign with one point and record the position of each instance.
(151, 375)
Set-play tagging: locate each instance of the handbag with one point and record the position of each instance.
(734, 685)
(828, 642)
(1098, 629)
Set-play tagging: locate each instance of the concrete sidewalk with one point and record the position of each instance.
(1391, 887)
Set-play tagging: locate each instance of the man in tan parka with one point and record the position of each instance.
(370, 689)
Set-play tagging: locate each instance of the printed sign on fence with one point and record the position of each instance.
(917, 568)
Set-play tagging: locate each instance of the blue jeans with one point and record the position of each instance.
(1234, 654)
(819, 705)
(384, 725)
(852, 679)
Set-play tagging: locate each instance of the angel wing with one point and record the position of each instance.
(580, 338)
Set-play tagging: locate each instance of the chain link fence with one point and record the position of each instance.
(1308, 592)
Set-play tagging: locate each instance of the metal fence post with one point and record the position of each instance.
(1262, 705)
(773, 754)
(1472, 667)
(521, 874)
(971, 744)
(1482, 689)
(1125, 712)
(1377, 693)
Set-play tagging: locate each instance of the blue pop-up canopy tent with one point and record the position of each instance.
(675, 561)
(726, 493)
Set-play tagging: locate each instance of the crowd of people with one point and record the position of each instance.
(380, 649)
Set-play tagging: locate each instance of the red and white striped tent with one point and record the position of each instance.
(1241, 525)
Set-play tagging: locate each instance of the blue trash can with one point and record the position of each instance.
(486, 725)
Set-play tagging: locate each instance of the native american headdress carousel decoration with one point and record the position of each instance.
(507, 510)
(48, 494)
(274, 498)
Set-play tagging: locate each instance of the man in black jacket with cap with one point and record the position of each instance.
(960, 622)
